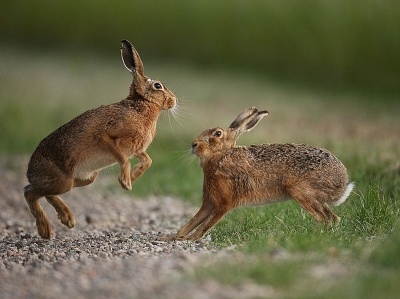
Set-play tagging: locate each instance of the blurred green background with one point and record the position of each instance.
(339, 44)
(327, 71)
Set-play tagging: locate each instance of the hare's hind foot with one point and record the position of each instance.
(321, 212)
(330, 217)
(42, 222)
(44, 228)
(310, 202)
(67, 219)
(64, 212)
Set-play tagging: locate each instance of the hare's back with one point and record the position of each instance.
(298, 159)
(88, 125)
(77, 140)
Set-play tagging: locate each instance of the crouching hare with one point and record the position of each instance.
(262, 174)
(73, 155)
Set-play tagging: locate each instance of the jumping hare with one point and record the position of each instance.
(73, 155)
(262, 174)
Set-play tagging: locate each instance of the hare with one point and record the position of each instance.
(262, 174)
(73, 155)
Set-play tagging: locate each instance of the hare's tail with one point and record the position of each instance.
(346, 194)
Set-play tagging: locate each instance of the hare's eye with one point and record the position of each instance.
(218, 133)
(157, 86)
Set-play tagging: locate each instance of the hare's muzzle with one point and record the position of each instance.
(171, 103)
(194, 147)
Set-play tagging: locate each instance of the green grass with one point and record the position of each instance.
(359, 256)
(368, 214)
(278, 246)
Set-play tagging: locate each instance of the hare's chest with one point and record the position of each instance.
(142, 143)
(133, 146)
(148, 138)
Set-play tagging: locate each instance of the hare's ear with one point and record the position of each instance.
(247, 120)
(131, 59)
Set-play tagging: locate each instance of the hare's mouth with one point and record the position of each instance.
(197, 148)
(170, 103)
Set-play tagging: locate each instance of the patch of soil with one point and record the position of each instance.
(113, 251)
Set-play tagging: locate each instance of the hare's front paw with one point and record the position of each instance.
(167, 237)
(125, 182)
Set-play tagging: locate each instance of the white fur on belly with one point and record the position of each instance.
(85, 169)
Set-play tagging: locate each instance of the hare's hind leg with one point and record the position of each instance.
(324, 213)
(320, 211)
(329, 214)
(313, 207)
(42, 222)
(64, 213)
(84, 182)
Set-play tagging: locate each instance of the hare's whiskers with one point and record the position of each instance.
(170, 124)
(178, 112)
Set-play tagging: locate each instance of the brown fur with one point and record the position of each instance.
(262, 174)
(73, 155)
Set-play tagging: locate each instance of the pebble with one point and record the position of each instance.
(113, 252)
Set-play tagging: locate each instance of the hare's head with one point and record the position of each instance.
(219, 139)
(142, 86)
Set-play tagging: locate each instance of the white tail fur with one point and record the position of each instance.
(346, 194)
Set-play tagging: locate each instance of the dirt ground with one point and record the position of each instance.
(113, 252)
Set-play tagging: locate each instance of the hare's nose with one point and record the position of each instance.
(194, 145)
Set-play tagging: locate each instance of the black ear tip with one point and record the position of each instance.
(126, 44)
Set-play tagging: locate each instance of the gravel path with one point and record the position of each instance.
(113, 251)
